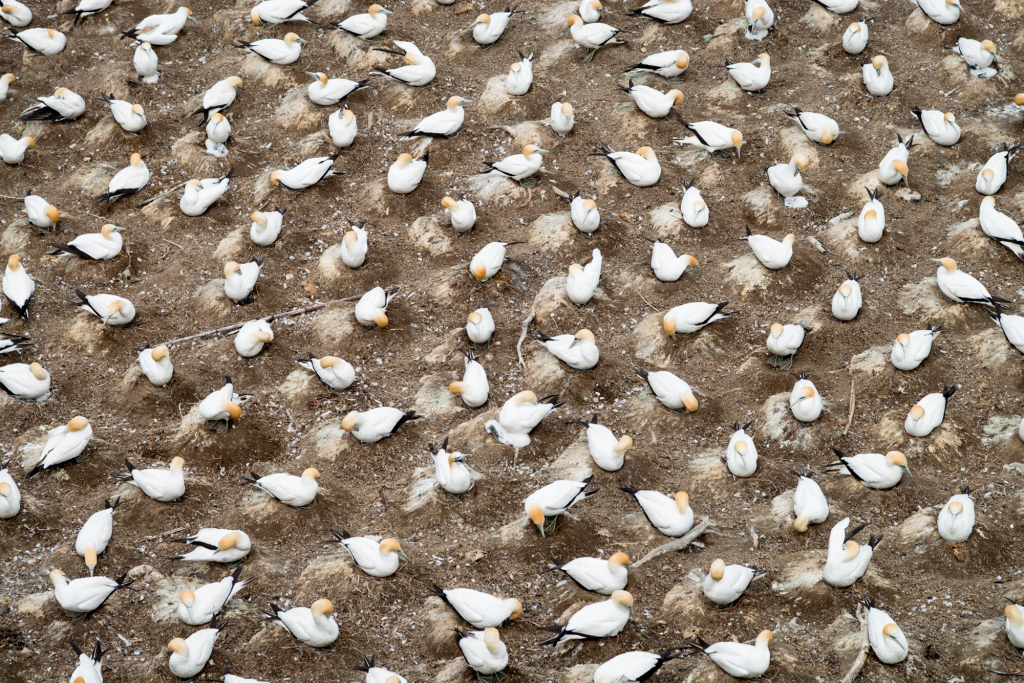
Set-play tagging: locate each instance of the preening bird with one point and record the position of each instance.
(40, 212)
(562, 118)
(266, 227)
(878, 80)
(856, 38)
(871, 221)
(406, 174)
(772, 254)
(18, 286)
(89, 669)
(666, 265)
(12, 150)
(225, 546)
(665, 11)
(669, 65)
(308, 173)
(544, 505)
(993, 174)
(111, 309)
(376, 557)
(488, 28)
(654, 103)
(961, 287)
(741, 453)
(941, 128)
(462, 214)
(131, 117)
(846, 302)
(674, 393)
(5, 84)
(874, 470)
(473, 387)
(371, 309)
(724, 584)
(222, 406)
(127, 181)
(885, 637)
(326, 92)
(928, 413)
(740, 660)
(164, 486)
(63, 444)
(595, 621)
(200, 195)
(519, 416)
(342, 127)
(483, 651)
(591, 11)
(45, 41)
(450, 471)
(693, 207)
(202, 605)
(786, 178)
(190, 655)
(94, 246)
(760, 19)
(240, 279)
(372, 425)
(479, 609)
(641, 169)
(444, 123)
(251, 338)
(893, 166)
(480, 326)
(751, 76)
(596, 574)
(607, 451)
(956, 519)
(63, 105)
(16, 14)
(520, 76)
(275, 50)
(337, 374)
(593, 36)
(366, 26)
(579, 351)
(29, 383)
(378, 674)
(160, 29)
(711, 137)
(910, 350)
(671, 515)
(583, 280)
(693, 317)
(809, 503)
(488, 261)
(418, 69)
(847, 560)
(146, 63)
(94, 535)
(817, 127)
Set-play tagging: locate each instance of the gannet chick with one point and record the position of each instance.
(371, 309)
(771, 253)
(342, 127)
(488, 261)
(462, 214)
(266, 227)
(16, 14)
(711, 137)
(222, 405)
(993, 174)
(450, 471)
(786, 179)
(674, 393)
(291, 490)
(740, 660)
(251, 338)
(366, 26)
(942, 12)
(641, 169)
(593, 36)
(89, 669)
(314, 625)
(910, 350)
(480, 326)
(751, 76)
(519, 416)
(847, 561)
(488, 28)
(1014, 625)
(63, 443)
(405, 174)
(127, 181)
(874, 470)
(83, 596)
(741, 453)
(665, 11)
(94, 535)
(724, 583)
(666, 265)
(274, 50)
(846, 302)
(130, 117)
(886, 639)
(274, 12)
(877, 77)
(418, 69)
(893, 166)
(817, 127)
(856, 38)
(871, 221)
(5, 84)
(473, 388)
(335, 373)
(219, 97)
(112, 310)
(218, 130)
(479, 609)
(378, 558)
(1012, 327)
(40, 212)
(18, 286)
(693, 207)
(326, 92)
(941, 128)
(784, 341)
(598, 620)
(579, 351)
(928, 413)
(12, 151)
(156, 365)
(544, 505)
(760, 19)
(562, 118)
(372, 425)
(190, 655)
(979, 55)
(225, 546)
(63, 105)
(583, 280)
(518, 166)
(654, 103)
(608, 452)
(596, 574)
(804, 399)
(45, 41)
(956, 518)
(961, 287)
(443, 124)
(29, 383)
(200, 195)
(101, 246)
(809, 503)
(584, 215)
(671, 515)
(669, 65)
(200, 606)
(693, 317)
(10, 494)
(161, 29)
(839, 6)
(164, 486)
(146, 63)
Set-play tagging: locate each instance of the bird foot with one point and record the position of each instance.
(527, 182)
(550, 523)
(218, 426)
(376, 39)
(491, 678)
(589, 57)
(781, 362)
(452, 136)
(488, 46)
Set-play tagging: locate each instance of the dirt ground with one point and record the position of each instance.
(949, 602)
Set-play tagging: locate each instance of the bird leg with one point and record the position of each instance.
(550, 523)
(528, 182)
(488, 46)
(589, 57)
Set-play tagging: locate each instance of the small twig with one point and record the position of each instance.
(174, 243)
(862, 655)
(519, 345)
(646, 301)
(162, 194)
(677, 544)
(853, 403)
(166, 533)
(229, 328)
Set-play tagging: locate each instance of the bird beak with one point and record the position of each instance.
(907, 470)
(300, 40)
(401, 553)
(575, 341)
(936, 260)
(465, 102)
(387, 11)
(192, 17)
(311, 74)
(543, 151)
(119, 229)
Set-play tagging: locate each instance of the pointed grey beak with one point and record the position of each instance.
(192, 17)
(401, 553)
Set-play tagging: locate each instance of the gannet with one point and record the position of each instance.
(817, 127)
(16, 14)
(809, 503)
(221, 406)
(961, 287)
(847, 561)
(215, 545)
(480, 326)
(289, 489)
(10, 344)
(18, 286)
(160, 29)
(418, 69)
(63, 443)
(370, 426)
(579, 351)
(488, 28)
(1012, 327)
(200, 606)
(488, 261)
(607, 451)
(666, 265)
(635, 665)
(336, 373)
(693, 207)
(741, 453)
(164, 486)
(313, 625)
(199, 195)
(219, 97)
(671, 515)
(518, 166)
(444, 123)
(846, 302)
(83, 596)
(520, 76)
(111, 309)
(239, 280)
(674, 393)
(131, 117)
(274, 12)
(877, 77)
(450, 471)
(804, 399)
(784, 341)
(893, 167)
(593, 36)
(544, 505)
(760, 19)
(94, 535)
(12, 150)
(786, 179)
(654, 103)
(63, 105)
(886, 639)
(641, 169)
(751, 76)
(94, 246)
(942, 12)
(928, 413)
(711, 137)
(910, 350)
(378, 674)
(462, 214)
(326, 92)
(89, 669)
(266, 227)
(5, 84)
(342, 127)
(274, 50)
(366, 26)
(473, 387)
(146, 63)
(371, 309)
(993, 174)
(598, 620)
(856, 38)
(479, 609)
(941, 128)
(562, 118)
(874, 470)
(724, 584)
(378, 558)
(669, 65)
(596, 574)
(29, 383)
(405, 174)
(354, 246)
(483, 651)
(665, 11)
(218, 130)
(40, 212)
(127, 181)
(979, 55)
(956, 518)
(519, 416)
(190, 655)
(772, 254)
(45, 41)
(591, 11)
(583, 279)
(253, 335)
(740, 660)
(839, 6)
(10, 494)
(308, 173)
(871, 221)
(1014, 625)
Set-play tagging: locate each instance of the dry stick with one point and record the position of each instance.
(162, 194)
(862, 655)
(853, 403)
(519, 346)
(677, 544)
(269, 318)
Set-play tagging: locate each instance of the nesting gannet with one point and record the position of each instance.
(488, 28)
(200, 195)
(740, 660)
(326, 92)
(804, 399)
(941, 128)
(593, 36)
(654, 103)
(784, 341)
(164, 486)
(40, 212)
(479, 609)
(856, 38)
(94, 246)
(956, 518)
(45, 41)
(190, 655)
(641, 169)
(771, 253)
(928, 413)
(10, 494)
(519, 416)
(483, 651)
(817, 127)
(218, 130)
(462, 214)
(591, 11)
(378, 558)
(253, 335)
(342, 127)
(313, 625)
(418, 70)
(406, 174)
(544, 505)
(127, 181)
(1012, 327)
(847, 561)
(366, 26)
(29, 383)
(308, 173)
(871, 221)
(669, 65)
(480, 326)
(598, 620)
(741, 453)
(978, 55)
(671, 515)
(786, 179)
(518, 166)
(334, 372)
(579, 351)
(724, 583)
(473, 387)
(910, 350)
(222, 406)
(111, 309)
(219, 97)
(874, 470)
(839, 6)
(596, 574)
(16, 14)
(288, 488)
(885, 637)
(893, 166)
(665, 11)
(240, 280)
(993, 174)
(846, 302)
(450, 471)
(961, 287)
(5, 84)
(266, 227)
(370, 426)
(562, 118)
(607, 451)
(636, 665)
(488, 261)
(693, 207)
(274, 12)
(146, 63)
(63, 443)
(760, 19)
(674, 393)
(200, 606)
(63, 105)
(378, 674)
(877, 77)
(371, 309)
(751, 76)
(131, 117)
(354, 247)
(1014, 625)
(89, 669)
(809, 503)
(444, 123)
(161, 29)
(94, 535)
(942, 12)
(583, 279)
(86, 595)
(520, 76)
(215, 545)
(18, 286)
(666, 265)
(12, 150)
(274, 50)
(711, 137)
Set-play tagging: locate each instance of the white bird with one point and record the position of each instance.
(597, 574)
(146, 63)
(12, 344)
(218, 130)
(910, 350)
(190, 655)
(635, 665)
(40, 212)
(354, 247)
(893, 167)
(371, 309)
(86, 595)
(483, 651)
(583, 280)
(874, 470)
(405, 174)
(161, 29)
(607, 451)
(979, 55)
(1014, 625)
(591, 11)
(366, 26)
(666, 265)
(219, 97)
(378, 674)
(16, 14)
(462, 214)
(846, 302)
(127, 181)
(856, 38)
(480, 326)
(724, 583)
(956, 518)
(94, 246)
(200, 606)
(805, 400)
(45, 41)
(29, 383)
(479, 609)
(665, 11)
(18, 286)
(886, 639)
(308, 173)
(131, 117)
(928, 413)
(839, 6)
(326, 92)
(313, 625)
(693, 207)
(711, 137)
(216, 545)
(111, 309)
(785, 340)
(12, 150)
(1012, 327)
(941, 128)
(266, 227)
(579, 351)
(674, 393)
(942, 12)
(654, 103)
(450, 471)
(751, 76)
(488, 261)
(961, 287)
(809, 503)
(444, 123)
(641, 169)
(786, 180)
(598, 620)
(760, 19)
(251, 338)
(519, 416)
(418, 70)
(232, 678)
(342, 127)
(334, 372)
(239, 280)
(222, 405)
(378, 558)
(877, 77)
(89, 669)
(871, 221)
(5, 84)
(669, 65)
(544, 505)
(671, 515)
(94, 535)
(817, 127)
(63, 443)
(593, 36)
(741, 453)
(161, 485)
(10, 494)
(993, 174)
(274, 50)
(488, 28)
(562, 118)
(288, 488)
(772, 254)
(740, 660)
(273, 12)
(199, 195)
(847, 560)
(372, 425)
(63, 105)
(473, 387)
(520, 75)
(518, 166)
